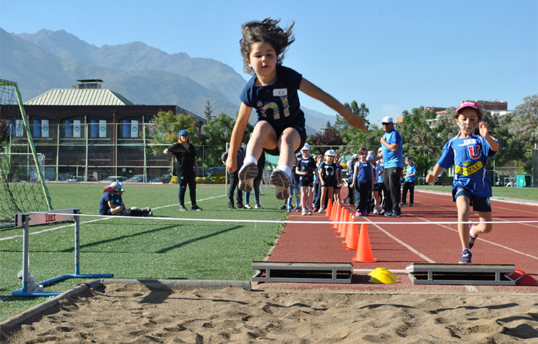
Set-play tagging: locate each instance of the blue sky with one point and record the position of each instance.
(391, 55)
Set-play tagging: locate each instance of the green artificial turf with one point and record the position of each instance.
(141, 248)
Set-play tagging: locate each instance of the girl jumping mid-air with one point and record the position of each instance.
(272, 91)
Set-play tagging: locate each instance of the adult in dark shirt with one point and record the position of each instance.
(234, 180)
(186, 168)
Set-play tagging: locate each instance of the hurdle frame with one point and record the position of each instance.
(48, 217)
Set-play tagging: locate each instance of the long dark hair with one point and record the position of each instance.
(265, 31)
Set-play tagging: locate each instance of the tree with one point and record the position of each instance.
(524, 125)
(523, 132)
(419, 140)
(165, 129)
(347, 132)
(328, 137)
(208, 112)
(215, 134)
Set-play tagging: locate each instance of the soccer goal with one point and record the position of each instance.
(22, 182)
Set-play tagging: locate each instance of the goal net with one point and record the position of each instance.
(22, 184)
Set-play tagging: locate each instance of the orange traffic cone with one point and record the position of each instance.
(345, 226)
(333, 212)
(329, 208)
(342, 218)
(352, 237)
(336, 217)
(364, 250)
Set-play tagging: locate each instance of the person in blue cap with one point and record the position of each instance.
(185, 168)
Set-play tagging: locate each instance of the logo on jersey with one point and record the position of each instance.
(467, 171)
(474, 152)
(280, 93)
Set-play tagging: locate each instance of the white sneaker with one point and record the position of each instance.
(246, 175)
(309, 211)
(282, 183)
(304, 212)
(320, 210)
(375, 211)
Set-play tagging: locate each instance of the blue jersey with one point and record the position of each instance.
(103, 204)
(379, 168)
(116, 200)
(410, 170)
(470, 155)
(393, 159)
(278, 103)
(364, 172)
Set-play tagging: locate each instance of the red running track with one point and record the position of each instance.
(423, 240)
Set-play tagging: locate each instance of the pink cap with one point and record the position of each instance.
(465, 105)
(110, 188)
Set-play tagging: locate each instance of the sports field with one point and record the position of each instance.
(141, 248)
(150, 248)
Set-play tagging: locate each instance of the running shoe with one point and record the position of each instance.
(309, 211)
(303, 212)
(182, 208)
(289, 210)
(393, 215)
(320, 210)
(471, 237)
(258, 206)
(315, 210)
(410, 204)
(358, 213)
(248, 206)
(298, 209)
(239, 206)
(283, 207)
(247, 173)
(404, 204)
(196, 208)
(466, 256)
(282, 183)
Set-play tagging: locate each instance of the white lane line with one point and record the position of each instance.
(480, 238)
(402, 243)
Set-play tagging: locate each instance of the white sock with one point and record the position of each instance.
(250, 159)
(285, 169)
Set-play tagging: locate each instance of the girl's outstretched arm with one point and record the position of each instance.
(317, 93)
(237, 136)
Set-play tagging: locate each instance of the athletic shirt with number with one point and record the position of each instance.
(278, 103)
(470, 156)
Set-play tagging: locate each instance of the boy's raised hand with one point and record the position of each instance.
(484, 130)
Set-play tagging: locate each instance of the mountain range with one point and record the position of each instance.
(143, 74)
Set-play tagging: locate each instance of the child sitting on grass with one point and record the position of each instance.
(112, 203)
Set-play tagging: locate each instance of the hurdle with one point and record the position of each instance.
(26, 220)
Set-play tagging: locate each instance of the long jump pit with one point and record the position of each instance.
(183, 311)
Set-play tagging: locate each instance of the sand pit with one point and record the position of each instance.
(134, 313)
